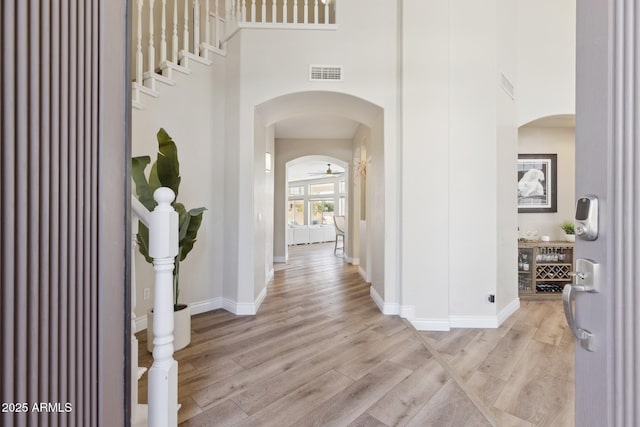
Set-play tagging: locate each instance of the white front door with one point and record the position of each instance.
(608, 166)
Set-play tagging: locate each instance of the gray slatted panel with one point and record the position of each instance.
(627, 214)
(61, 305)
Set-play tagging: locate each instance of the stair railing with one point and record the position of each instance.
(163, 375)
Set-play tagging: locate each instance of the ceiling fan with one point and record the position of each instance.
(328, 172)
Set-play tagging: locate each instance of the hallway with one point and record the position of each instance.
(319, 352)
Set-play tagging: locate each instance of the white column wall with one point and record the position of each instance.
(546, 43)
(425, 163)
(473, 158)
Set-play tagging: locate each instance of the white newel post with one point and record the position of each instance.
(163, 375)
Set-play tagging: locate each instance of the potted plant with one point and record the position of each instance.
(569, 232)
(165, 172)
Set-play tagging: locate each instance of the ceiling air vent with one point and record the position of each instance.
(507, 86)
(326, 73)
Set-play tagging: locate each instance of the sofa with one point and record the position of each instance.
(306, 234)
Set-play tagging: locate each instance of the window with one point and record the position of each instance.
(342, 187)
(296, 190)
(321, 211)
(318, 189)
(341, 205)
(296, 212)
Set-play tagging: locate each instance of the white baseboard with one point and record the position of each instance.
(430, 324)
(141, 323)
(279, 259)
(353, 261)
(196, 308)
(240, 309)
(387, 308)
(409, 312)
(245, 309)
(269, 276)
(206, 305)
(363, 273)
(487, 322)
(511, 308)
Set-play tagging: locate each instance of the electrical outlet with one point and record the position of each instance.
(147, 293)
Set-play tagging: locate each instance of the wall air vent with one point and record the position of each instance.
(325, 73)
(507, 86)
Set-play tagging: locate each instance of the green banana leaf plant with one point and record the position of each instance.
(165, 172)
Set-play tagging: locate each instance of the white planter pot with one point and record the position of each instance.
(570, 237)
(181, 329)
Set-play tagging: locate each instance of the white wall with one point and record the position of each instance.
(192, 112)
(560, 140)
(425, 162)
(507, 140)
(546, 36)
(458, 132)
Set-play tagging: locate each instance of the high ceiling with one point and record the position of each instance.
(311, 169)
(316, 126)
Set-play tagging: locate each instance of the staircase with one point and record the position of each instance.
(169, 36)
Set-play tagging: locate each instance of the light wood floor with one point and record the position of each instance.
(319, 352)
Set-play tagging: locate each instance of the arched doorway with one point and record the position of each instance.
(367, 137)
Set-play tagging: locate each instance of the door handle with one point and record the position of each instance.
(586, 338)
(587, 277)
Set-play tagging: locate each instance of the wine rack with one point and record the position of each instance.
(543, 268)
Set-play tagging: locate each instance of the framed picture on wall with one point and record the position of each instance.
(537, 185)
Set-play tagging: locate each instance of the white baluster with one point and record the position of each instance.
(253, 11)
(163, 33)
(152, 50)
(326, 13)
(315, 12)
(207, 28)
(274, 12)
(163, 375)
(306, 11)
(229, 12)
(174, 38)
(284, 12)
(196, 27)
(219, 24)
(244, 10)
(264, 11)
(295, 11)
(139, 57)
(185, 33)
